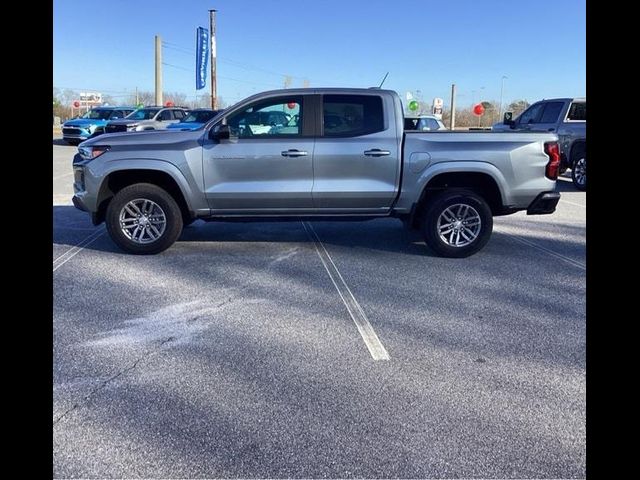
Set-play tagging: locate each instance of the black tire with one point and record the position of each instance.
(579, 171)
(144, 191)
(439, 204)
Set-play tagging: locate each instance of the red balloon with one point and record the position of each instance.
(478, 109)
(76, 104)
(169, 104)
(291, 105)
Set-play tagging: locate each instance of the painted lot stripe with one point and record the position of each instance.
(568, 260)
(61, 199)
(63, 175)
(371, 340)
(573, 203)
(72, 252)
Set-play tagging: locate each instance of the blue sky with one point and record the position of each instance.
(424, 45)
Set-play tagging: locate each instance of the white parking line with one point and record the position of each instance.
(550, 252)
(572, 203)
(72, 252)
(63, 175)
(62, 199)
(371, 340)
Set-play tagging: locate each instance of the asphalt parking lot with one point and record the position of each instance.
(233, 354)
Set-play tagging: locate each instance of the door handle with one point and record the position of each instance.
(376, 152)
(293, 153)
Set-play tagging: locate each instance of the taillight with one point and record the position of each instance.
(553, 167)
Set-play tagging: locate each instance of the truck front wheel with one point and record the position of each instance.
(143, 219)
(457, 223)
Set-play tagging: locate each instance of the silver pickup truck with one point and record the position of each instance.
(566, 117)
(314, 154)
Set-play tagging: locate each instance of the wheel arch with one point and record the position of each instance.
(577, 146)
(480, 182)
(118, 179)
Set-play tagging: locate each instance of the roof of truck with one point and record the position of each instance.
(294, 91)
(568, 99)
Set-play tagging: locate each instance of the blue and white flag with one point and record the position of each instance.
(202, 56)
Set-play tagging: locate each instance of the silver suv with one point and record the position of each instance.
(147, 118)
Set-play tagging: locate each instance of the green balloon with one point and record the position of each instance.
(413, 105)
(140, 105)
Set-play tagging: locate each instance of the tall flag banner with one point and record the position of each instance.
(202, 57)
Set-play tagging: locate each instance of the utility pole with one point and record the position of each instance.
(158, 70)
(452, 120)
(137, 100)
(212, 34)
(501, 92)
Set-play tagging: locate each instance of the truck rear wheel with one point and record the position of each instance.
(143, 219)
(579, 172)
(457, 223)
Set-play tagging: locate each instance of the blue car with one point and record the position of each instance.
(194, 119)
(91, 123)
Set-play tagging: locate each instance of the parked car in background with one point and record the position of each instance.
(566, 117)
(423, 123)
(92, 123)
(194, 119)
(147, 118)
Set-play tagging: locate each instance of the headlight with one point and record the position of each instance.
(89, 153)
(132, 127)
(92, 128)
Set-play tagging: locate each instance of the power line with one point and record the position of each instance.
(226, 78)
(176, 66)
(246, 66)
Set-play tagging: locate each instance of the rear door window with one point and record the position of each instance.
(352, 115)
(551, 112)
(578, 112)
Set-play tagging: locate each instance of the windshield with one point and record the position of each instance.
(97, 114)
(143, 114)
(200, 116)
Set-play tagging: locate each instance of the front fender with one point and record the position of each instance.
(100, 172)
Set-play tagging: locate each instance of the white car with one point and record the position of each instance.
(423, 123)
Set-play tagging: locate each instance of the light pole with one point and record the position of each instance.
(501, 92)
(480, 101)
(214, 54)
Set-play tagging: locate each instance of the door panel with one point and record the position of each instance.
(266, 165)
(345, 177)
(253, 175)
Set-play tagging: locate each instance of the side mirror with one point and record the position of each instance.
(508, 119)
(221, 133)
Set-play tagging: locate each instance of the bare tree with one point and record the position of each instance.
(517, 107)
(178, 99)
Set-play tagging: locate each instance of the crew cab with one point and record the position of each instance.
(283, 155)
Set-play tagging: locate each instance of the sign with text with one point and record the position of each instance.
(202, 57)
